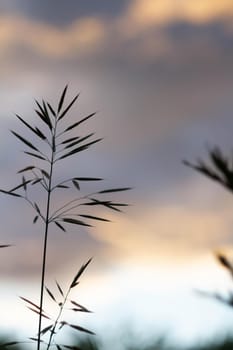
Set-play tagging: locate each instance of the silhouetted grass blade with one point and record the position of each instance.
(10, 343)
(30, 302)
(40, 108)
(93, 217)
(79, 149)
(5, 245)
(60, 226)
(50, 294)
(81, 329)
(37, 208)
(115, 206)
(71, 139)
(60, 289)
(38, 313)
(202, 168)
(224, 261)
(60, 104)
(41, 114)
(75, 222)
(35, 131)
(36, 339)
(68, 107)
(78, 141)
(88, 178)
(44, 118)
(40, 134)
(11, 193)
(108, 204)
(62, 324)
(80, 307)
(29, 144)
(71, 347)
(80, 272)
(95, 201)
(46, 329)
(80, 122)
(24, 182)
(26, 169)
(219, 161)
(76, 184)
(35, 155)
(46, 114)
(62, 186)
(35, 219)
(44, 172)
(115, 190)
(36, 181)
(51, 109)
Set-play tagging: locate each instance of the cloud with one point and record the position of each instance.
(172, 232)
(60, 13)
(146, 13)
(160, 97)
(143, 32)
(83, 36)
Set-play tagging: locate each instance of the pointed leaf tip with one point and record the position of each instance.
(5, 245)
(51, 109)
(116, 190)
(26, 169)
(81, 329)
(76, 184)
(75, 222)
(60, 289)
(22, 139)
(80, 272)
(80, 122)
(50, 294)
(68, 107)
(60, 104)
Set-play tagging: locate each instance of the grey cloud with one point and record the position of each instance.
(154, 111)
(152, 108)
(60, 12)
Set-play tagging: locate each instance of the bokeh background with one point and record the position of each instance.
(159, 73)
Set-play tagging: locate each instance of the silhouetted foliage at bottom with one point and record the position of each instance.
(89, 344)
(226, 344)
(158, 344)
(5, 339)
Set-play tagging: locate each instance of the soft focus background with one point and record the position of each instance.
(160, 75)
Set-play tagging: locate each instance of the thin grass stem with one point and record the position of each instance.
(46, 239)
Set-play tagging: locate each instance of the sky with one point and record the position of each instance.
(160, 75)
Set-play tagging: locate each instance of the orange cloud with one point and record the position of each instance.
(145, 13)
(173, 232)
(143, 20)
(81, 37)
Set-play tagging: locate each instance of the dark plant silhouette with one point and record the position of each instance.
(157, 344)
(219, 169)
(58, 141)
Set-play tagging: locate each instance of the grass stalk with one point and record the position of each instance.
(61, 143)
(45, 247)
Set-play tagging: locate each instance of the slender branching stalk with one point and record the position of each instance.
(61, 142)
(46, 232)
